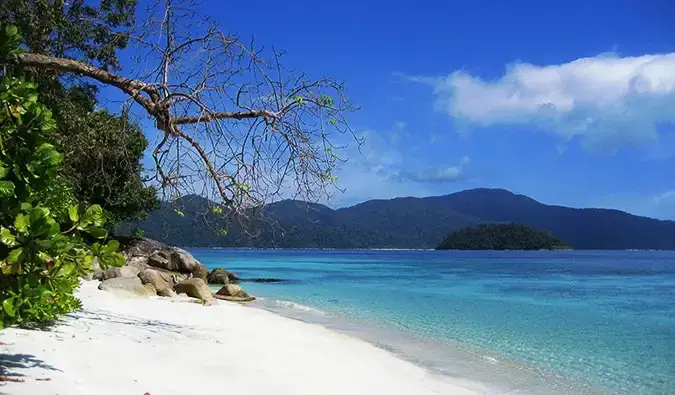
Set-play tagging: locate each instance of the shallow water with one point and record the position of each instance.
(518, 322)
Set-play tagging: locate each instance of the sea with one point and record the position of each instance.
(516, 322)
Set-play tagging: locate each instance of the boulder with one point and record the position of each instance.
(194, 287)
(159, 279)
(182, 261)
(151, 289)
(143, 247)
(130, 286)
(169, 293)
(139, 262)
(96, 271)
(233, 290)
(222, 276)
(235, 299)
(144, 253)
(162, 260)
(124, 271)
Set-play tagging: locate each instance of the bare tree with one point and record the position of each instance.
(234, 124)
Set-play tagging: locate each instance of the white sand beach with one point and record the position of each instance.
(162, 346)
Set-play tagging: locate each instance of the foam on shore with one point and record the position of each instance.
(162, 346)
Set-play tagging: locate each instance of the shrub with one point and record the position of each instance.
(43, 251)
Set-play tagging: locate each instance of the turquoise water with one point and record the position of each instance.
(520, 322)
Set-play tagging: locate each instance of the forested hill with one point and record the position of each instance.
(501, 237)
(406, 223)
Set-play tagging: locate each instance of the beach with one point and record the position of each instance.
(161, 346)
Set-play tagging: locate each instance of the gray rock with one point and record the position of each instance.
(159, 279)
(124, 271)
(233, 290)
(194, 287)
(151, 289)
(184, 262)
(131, 286)
(96, 272)
(235, 298)
(169, 293)
(222, 276)
(144, 247)
(139, 262)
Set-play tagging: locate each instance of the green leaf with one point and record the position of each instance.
(42, 223)
(11, 30)
(299, 99)
(113, 245)
(15, 256)
(6, 189)
(73, 213)
(21, 223)
(7, 238)
(217, 210)
(3, 172)
(98, 233)
(93, 216)
(25, 206)
(179, 213)
(8, 306)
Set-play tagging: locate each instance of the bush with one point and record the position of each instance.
(43, 251)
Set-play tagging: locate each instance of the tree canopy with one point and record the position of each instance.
(500, 237)
(102, 150)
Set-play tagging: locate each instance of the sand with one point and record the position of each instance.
(163, 346)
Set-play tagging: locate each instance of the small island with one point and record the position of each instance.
(501, 237)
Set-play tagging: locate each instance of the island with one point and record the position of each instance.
(501, 237)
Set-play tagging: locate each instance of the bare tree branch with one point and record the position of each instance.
(233, 125)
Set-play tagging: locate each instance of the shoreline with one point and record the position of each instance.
(118, 345)
(478, 369)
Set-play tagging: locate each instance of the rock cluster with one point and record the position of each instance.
(153, 268)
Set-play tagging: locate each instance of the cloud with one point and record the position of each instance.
(606, 101)
(435, 175)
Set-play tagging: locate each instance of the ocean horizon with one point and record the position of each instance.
(554, 322)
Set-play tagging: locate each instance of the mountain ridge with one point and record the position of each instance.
(405, 222)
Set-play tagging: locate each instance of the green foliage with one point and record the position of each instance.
(77, 29)
(102, 151)
(109, 175)
(39, 261)
(500, 237)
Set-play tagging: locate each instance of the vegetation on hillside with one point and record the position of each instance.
(500, 237)
(42, 251)
(404, 223)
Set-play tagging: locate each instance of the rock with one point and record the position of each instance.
(183, 262)
(161, 259)
(234, 298)
(125, 285)
(139, 262)
(151, 289)
(143, 247)
(222, 276)
(194, 287)
(159, 279)
(96, 271)
(265, 280)
(169, 293)
(232, 290)
(124, 271)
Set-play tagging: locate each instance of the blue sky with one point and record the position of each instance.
(569, 102)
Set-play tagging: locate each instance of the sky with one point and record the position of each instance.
(568, 102)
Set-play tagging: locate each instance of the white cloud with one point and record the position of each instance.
(435, 174)
(607, 101)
